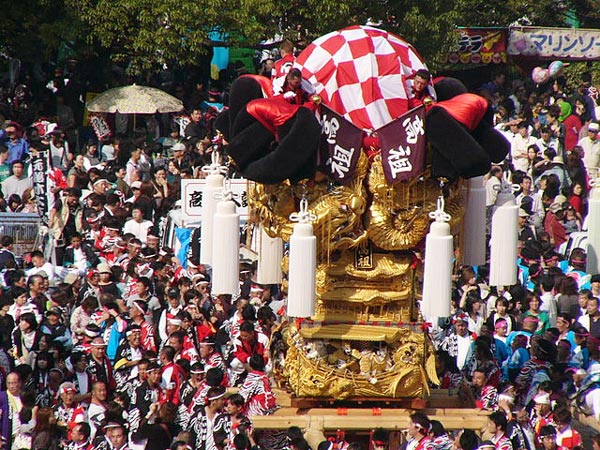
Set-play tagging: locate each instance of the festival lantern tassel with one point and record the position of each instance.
(270, 255)
(593, 232)
(213, 185)
(503, 242)
(474, 245)
(226, 247)
(437, 273)
(302, 280)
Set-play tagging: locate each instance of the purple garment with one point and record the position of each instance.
(5, 427)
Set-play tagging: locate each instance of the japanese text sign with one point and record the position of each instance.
(479, 45)
(402, 145)
(554, 43)
(193, 190)
(343, 142)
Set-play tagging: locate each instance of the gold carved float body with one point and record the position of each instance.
(366, 339)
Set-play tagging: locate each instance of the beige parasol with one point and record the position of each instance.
(135, 99)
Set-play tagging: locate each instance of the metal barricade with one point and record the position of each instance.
(24, 228)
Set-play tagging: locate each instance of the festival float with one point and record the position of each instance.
(352, 181)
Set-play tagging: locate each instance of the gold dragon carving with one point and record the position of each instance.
(392, 220)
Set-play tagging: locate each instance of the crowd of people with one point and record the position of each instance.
(116, 343)
(530, 352)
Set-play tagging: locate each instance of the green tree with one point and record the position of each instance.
(32, 30)
(145, 34)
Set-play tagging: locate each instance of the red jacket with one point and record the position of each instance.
(244, 350)
(555, 229)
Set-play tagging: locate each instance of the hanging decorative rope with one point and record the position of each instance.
(593, 225)
(439, 215)
(504, 237)
(303, 264)
(213, 185)
(437, 271)
(215, 167)
(304, 215)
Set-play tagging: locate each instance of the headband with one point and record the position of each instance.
(216, 397)
(500, 323)
(136, 304)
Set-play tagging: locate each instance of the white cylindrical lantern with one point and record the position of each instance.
(226, 249)
(214, 185)
(270, 253)
(474, 245)
(593, 222)
(503, 242)
(437, 273)
(302, 281)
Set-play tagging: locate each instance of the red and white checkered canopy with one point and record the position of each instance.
(363, 73)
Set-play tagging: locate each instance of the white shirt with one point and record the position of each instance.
(518, 151)
(464, 344)
(47, 267)
(138, 229)
(591, 149)
(13, 185)
(82, 381)
(491, 194)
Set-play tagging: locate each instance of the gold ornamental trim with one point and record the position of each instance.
(384, 266)
(347, 332)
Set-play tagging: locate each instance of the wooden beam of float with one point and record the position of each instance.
(364, 419)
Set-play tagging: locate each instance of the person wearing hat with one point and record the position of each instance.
(202, 425)
(543, 413)
(68, 412)
(174, 307)
(525, 230)
(11, 137)
(137, 313)
(209, 356)
(458, 343)
(591, 147)
(418, 430)
(112, 233)
(128, 356)
(379, 439)
(191, 385)
(116, 435)
(146, 399)
(106, 285)
(53, 326)
(553, 224)
(100, 367)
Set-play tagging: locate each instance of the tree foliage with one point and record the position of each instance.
(33, 29)
(147, 34)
